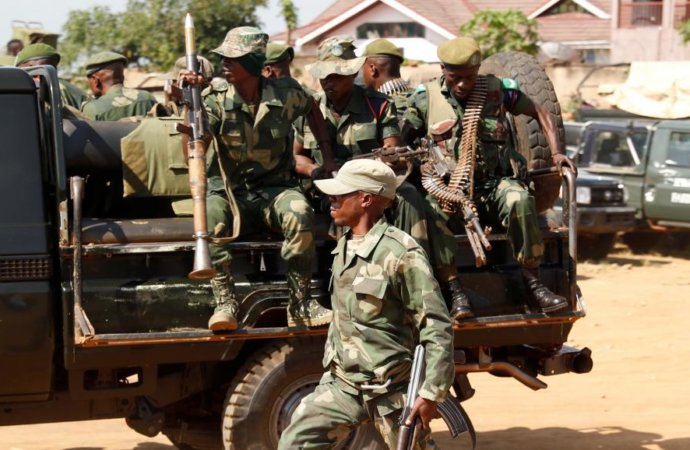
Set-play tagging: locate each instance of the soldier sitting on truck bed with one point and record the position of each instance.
(44, 54)
(501, 197)
(252, 119)
(360, 120)
(105, 73)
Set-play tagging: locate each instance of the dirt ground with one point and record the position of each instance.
(637, 396)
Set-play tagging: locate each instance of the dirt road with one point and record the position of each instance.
(637, 396)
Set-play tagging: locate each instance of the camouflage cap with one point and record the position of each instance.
(241, 41)
(205, 67)
(102, 59)
(461, 51)
(37, 51)
(276, 53)
(336, 55)
(366, 175)
(383, 47)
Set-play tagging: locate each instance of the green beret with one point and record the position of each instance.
(461, 51)
(383, 47)
(276, 53)
(37, 51)
(102, 59)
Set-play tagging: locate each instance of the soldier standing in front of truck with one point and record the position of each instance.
(252, 118)
(500, 195)
(384, 299)
(360, 120)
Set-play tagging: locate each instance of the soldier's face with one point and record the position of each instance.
(233, 71)
(346, 210)
(337, 87)
(460, 80)
(278, 70)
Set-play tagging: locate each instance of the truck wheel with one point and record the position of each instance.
(267, 390)
(595, 247)
(640, 242)
(531, 141)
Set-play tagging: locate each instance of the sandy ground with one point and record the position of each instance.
(636, 397)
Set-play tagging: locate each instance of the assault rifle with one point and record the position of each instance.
(395, 155)
(450, 409)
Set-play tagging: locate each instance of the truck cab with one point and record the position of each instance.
(98, 318)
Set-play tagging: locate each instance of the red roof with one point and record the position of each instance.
(574, 27)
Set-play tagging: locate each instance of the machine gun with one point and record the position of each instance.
(450, 409)
(395, 155)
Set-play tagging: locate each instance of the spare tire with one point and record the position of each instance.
(529, 138)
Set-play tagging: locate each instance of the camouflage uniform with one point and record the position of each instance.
(119, 102)
(71, 94)
(384, 299)
(501, 197)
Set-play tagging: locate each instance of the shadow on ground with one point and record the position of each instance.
(612, 438)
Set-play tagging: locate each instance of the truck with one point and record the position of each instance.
(98, 318)
(651, 158)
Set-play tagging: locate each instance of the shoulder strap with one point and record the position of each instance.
(378, 106)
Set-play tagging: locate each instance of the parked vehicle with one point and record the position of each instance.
(99, 320)
(652, 160)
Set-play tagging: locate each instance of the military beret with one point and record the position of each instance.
(241, 41)
(102, 59)
(461, 51)
(276, 53)
(383, 47)
(37, 51)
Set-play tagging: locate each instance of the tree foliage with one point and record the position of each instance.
(151, 32)
(502, 31)
(289, 12)
(684, 30)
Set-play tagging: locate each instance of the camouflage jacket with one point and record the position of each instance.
(495, 149)
(367, 120)
(71, 94)
(255, 149)
(385, 300)
(119, 102)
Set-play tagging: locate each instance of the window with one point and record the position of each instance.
(678, 153)
(619, 149)
(564, 7)
(636, 13)
(390, 30)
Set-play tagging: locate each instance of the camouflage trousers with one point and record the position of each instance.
(277, 209)
(415, 216)
(326, 417)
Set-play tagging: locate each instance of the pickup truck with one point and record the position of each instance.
(98, 318)
(652, 160)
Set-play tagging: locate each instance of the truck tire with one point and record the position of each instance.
(268, 388)
(595, 247)
(530, 140)
(641, 242)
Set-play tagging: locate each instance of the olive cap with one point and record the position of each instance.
(366, 175)
(205, 67)
(336, 55)
(37, 51)
(241, 41)
(461, 51)
(383, 47)
(276, 53)
(102, 59)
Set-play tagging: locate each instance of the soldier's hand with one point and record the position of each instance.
(190, 77)
(561, 160)
(425, 409)
(330, 168)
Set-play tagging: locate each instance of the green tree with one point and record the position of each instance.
(684, 30)
(289, 12)
(151, 32)
(502, 31)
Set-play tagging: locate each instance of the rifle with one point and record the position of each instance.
(450, 410)
(395, 155)
(196, 157)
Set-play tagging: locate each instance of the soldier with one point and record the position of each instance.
(44, 54)
(105, 75)
(381, 72)
(384, 299)
(360, 120)
(172, 106)
(252, 118)
(501, 197)
(14, 46)
(278, 59)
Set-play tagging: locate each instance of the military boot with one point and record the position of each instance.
(302, 309)
(547, 300)
(224, 317)
(460, 307)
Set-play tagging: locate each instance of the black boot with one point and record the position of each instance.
(547, 300)
(460, 307)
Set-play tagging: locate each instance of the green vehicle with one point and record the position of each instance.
(98, 318)
(652, 160)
